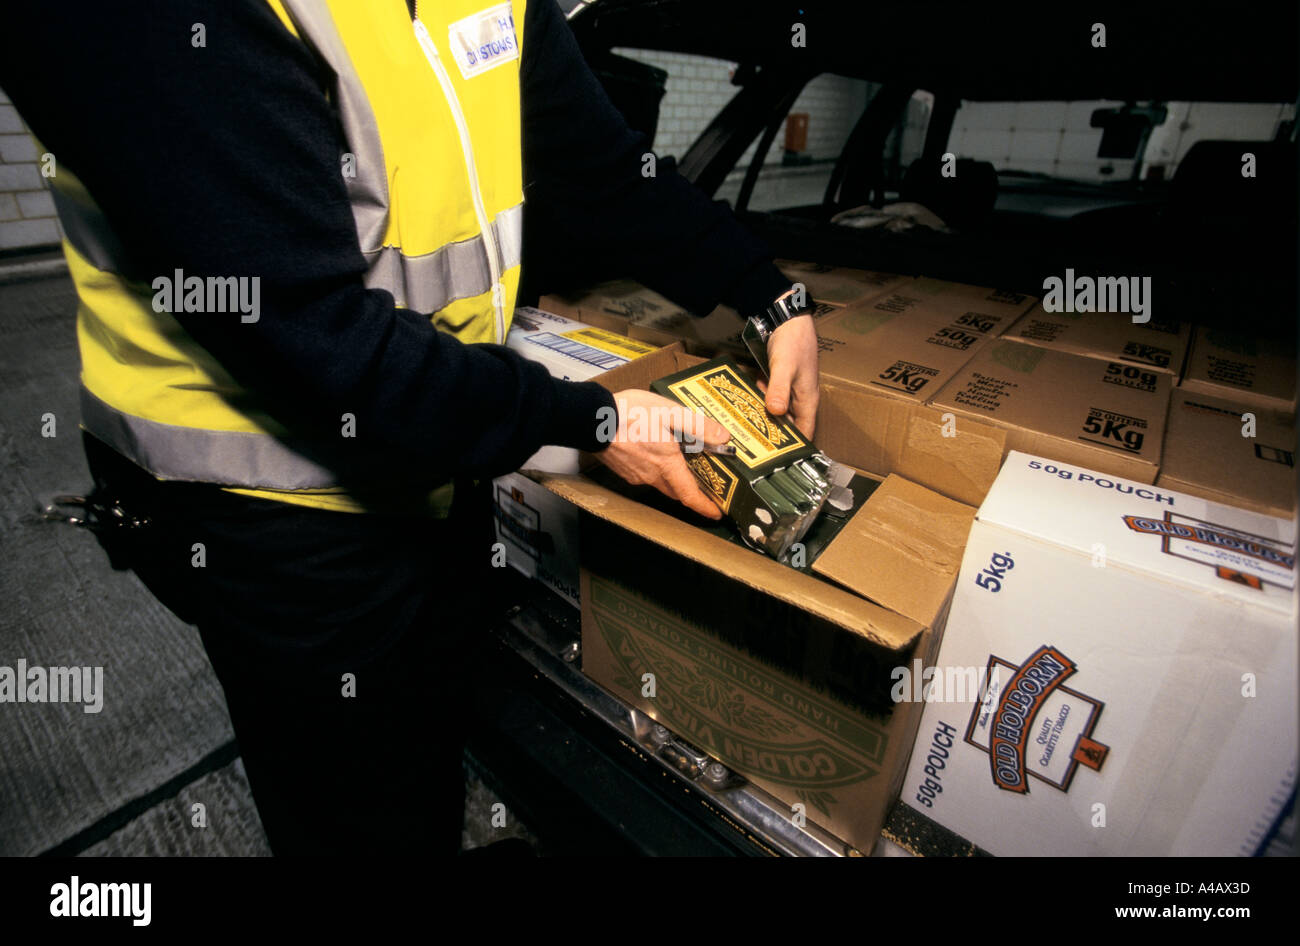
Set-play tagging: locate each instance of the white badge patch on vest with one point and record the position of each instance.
(484, 41)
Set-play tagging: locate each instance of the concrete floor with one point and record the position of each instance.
(123, 781)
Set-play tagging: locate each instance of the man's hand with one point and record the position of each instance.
(792, 358)
(648, 447)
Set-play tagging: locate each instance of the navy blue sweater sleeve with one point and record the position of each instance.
(586, 193)
(224, 160)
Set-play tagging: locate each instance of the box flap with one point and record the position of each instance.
(888, 436)
(1213, 548)
(843, 608)
(902, 549)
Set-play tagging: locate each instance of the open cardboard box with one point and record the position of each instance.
(782, 676)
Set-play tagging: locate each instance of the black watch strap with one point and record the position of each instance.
(759, 327)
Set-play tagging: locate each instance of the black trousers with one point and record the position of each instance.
(340, 641)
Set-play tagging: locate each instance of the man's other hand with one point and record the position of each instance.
(647, 448)
(792, 386)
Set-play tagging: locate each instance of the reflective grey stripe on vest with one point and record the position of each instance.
(424, 283)
(368, 187)
(228, 458)
(433, 281)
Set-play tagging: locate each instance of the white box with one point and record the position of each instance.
(1137, 649)
(571, 350)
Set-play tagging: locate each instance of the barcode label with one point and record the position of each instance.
(577, 350)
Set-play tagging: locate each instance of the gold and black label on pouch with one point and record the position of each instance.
(718, 389)
(774, 485)
(715, 478)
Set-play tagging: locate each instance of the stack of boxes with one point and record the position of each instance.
(631, 309)
(1091, 388)
(1232, 431)
(931, 386)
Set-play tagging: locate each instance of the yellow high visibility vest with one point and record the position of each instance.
(430, 111)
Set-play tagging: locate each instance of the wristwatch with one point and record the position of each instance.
(759, 327)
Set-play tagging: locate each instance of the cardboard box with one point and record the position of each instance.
(839, 285)
(1100, 414)
(1241, 368)
(997, 308)
(1111, 336)
(570, 349)
(1138, 654)
(909, 342)
(780, 675)
(1207, 454)
(539, 531)
(890, 355)
(627, 307)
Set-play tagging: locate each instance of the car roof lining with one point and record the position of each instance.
(1187, 54)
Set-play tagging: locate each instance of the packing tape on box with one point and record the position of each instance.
(973, 457)
(916, 542)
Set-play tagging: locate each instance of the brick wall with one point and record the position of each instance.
(699, 87)
(27, 217)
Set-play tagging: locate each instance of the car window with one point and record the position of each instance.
(696, 89)
(1190, 122)
(906, 142)
(1057, 139)
(1053, 139)
(798, 165)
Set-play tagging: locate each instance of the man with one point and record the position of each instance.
(295, 230)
